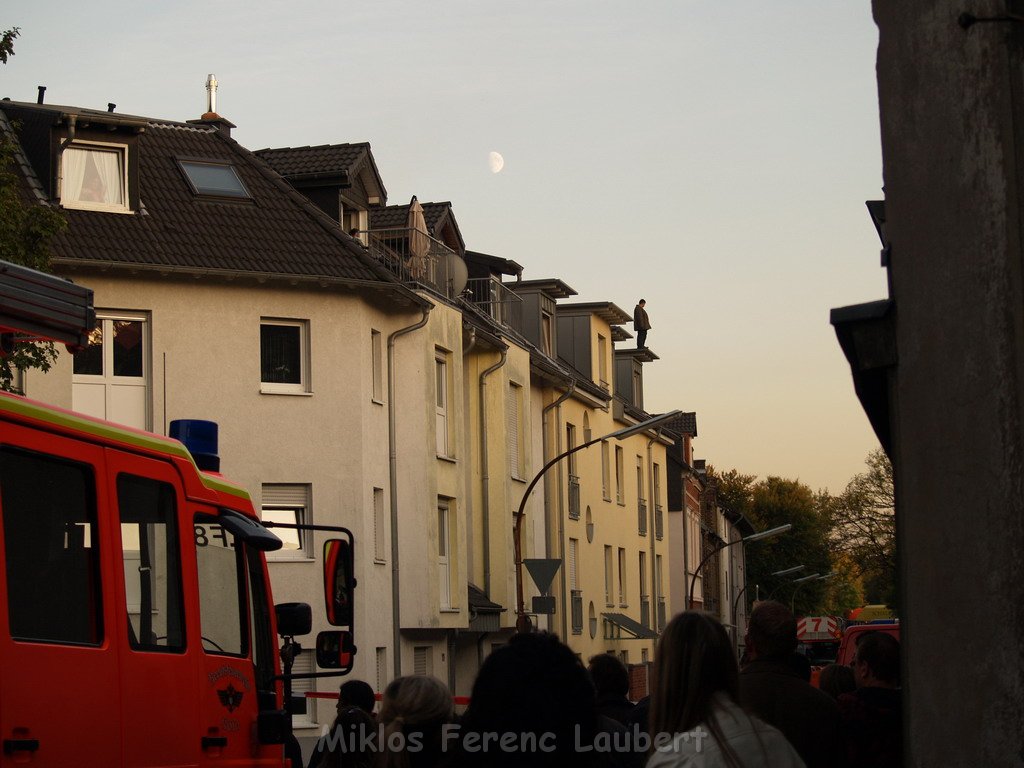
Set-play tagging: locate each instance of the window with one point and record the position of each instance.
(609, 567)
(574, 545)
(443, 555)
(514, 430)
(606, 490)
(290, 504)
(152, 564)
(620, 473)
(110, 375)
(94, 177)
(214, 179)
(379, 554)
(222, 613)
(284, 356)
(376, 367)
(622, 577)
(51, 547)
(304, 664)
(441, 403)
(547, 339)
(382, 668)
(602, 361)
(423, 660)
(574, 478)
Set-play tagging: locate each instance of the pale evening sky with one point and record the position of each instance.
(712, 157)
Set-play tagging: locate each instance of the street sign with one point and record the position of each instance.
(544, 604)
(542, 570)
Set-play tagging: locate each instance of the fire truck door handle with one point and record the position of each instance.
(209, 742)
(20, 745)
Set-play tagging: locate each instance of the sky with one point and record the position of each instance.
(711, 157)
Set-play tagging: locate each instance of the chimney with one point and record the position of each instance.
(210, 117)
(42, 90)
(111, 106)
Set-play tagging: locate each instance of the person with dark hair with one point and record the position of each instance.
(872, 716)
(353, 694)
(641, 324)
(773, 689)
(611, 681)
(837, 679)
(695, 716)
(350, 742)
(531, 705)
(357, 693)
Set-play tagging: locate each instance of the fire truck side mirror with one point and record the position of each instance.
(339, 582)
(335, 649)
(294, 619)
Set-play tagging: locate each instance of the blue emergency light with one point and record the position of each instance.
(200, 438)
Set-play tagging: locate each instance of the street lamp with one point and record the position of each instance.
(522, 620)
(783, 572)
(745, 540)
(794, 581)
(801, 582)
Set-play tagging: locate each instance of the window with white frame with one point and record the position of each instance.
(640, 480)
(94, 176)
(379, 552)
(620, 476)
(304, 664)
(609, 568)
(606, 491)
(111, 374)
(376, 366)
(284, 356)
(441, 403)
(547, 334)
(602, 360)
(288, 503)
(514, 430)
(444, 562)
(574, 545)
(622, 577)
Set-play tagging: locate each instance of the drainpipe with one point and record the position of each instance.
(652, 530)
(547, 507)
(396, 616)
(72, 125)
(485, 469)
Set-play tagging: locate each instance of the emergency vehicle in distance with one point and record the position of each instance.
(818, 639)
(137, 626)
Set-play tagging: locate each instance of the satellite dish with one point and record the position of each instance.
(458, 274)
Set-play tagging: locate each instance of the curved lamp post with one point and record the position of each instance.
(783, 572)
(745, 540)
(523, 623)
(804, 580)
(808, 577)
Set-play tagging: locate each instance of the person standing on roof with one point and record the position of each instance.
(641, 324)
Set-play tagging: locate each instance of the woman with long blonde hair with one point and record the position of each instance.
(695, 719)
(413, 712)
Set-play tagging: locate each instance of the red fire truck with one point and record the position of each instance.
(137, 626)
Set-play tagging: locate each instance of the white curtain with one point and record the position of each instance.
(93, 176)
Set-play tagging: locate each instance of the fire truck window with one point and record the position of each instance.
(51, 548)
(222, 614)
(263, 640)
(152, 563)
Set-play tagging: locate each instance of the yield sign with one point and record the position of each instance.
(542, 570)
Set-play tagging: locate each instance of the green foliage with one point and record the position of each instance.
(25, 230)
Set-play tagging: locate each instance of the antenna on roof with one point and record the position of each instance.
(42, 92)
(211, 95)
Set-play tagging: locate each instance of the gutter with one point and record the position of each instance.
(396, 615)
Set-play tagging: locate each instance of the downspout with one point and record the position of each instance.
(72, 125)
(485, 470)
(393, 487)
(686, 541)
(651, 527)
(547, 508)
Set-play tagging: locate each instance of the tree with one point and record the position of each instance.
(862, 525)
(25, 230)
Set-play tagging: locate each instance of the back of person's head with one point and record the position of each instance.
(354, 740)
(881, 652)
(609, 674)
(771, 631)
(694, 661)
(532, 686)
(357, 693)
(836, 679)
(413, 711)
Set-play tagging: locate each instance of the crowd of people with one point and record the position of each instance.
(535, 704)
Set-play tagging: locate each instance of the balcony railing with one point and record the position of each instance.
(574, 497)
(641, 516)
(494, 298)
(577, 611)
(659, 522)
(414, 257)
(662, 614)
(645, 610)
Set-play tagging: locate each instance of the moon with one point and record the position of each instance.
(496, 161)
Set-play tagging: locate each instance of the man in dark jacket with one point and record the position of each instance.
(641, 324)
(772, 689)
(872, 716)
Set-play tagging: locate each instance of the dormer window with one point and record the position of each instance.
(214, 179)
(94, 177)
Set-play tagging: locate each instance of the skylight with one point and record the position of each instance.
(214, 179)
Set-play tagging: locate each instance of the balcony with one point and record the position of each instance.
(577, 612)
(659, 522)
(574, 497)
(414, 257)
(645, 610)
(641, 513)
(493, 297)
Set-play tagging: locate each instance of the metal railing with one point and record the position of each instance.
(641, 516)
(577, 611)
(645, 610)
(574, 497)
(659, 522)
(495, 298)
(414, 257)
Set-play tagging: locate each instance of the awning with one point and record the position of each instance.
(635, 628)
